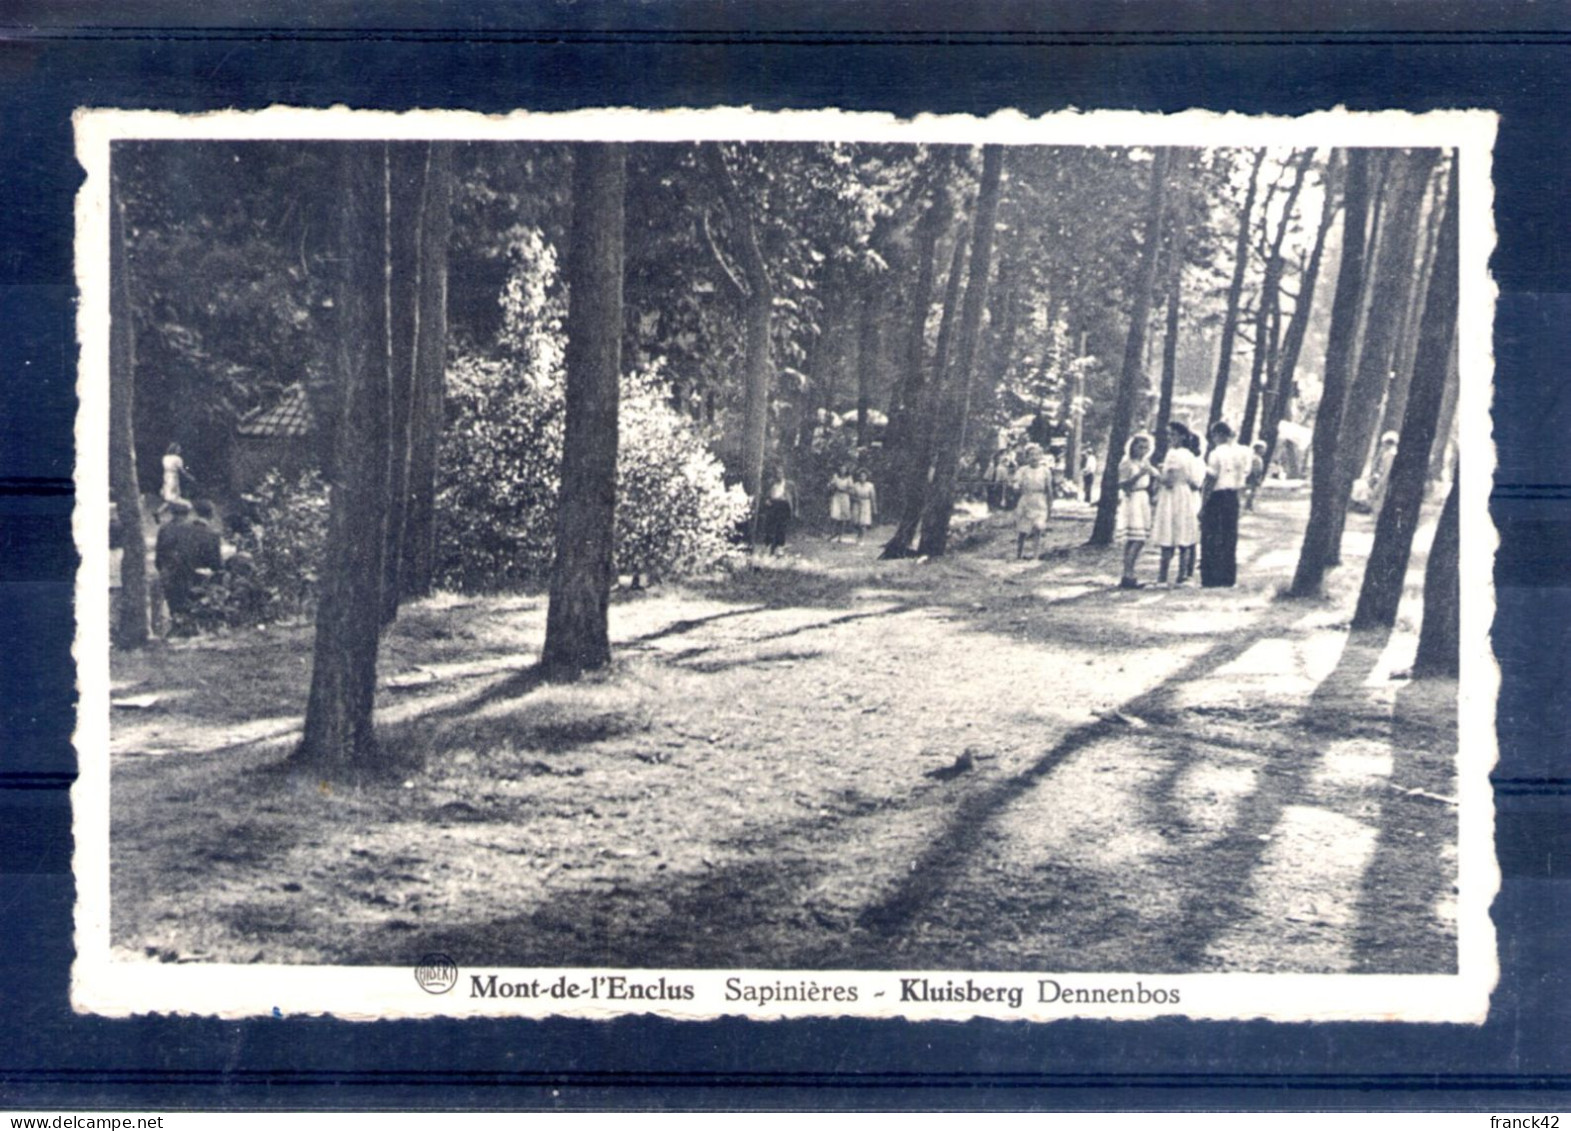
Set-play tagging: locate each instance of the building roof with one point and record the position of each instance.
(291, 416)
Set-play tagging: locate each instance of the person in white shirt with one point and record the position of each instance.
(1227, 474)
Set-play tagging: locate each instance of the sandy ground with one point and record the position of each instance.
(1153, 781)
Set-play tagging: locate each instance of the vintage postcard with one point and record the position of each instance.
(785, 564)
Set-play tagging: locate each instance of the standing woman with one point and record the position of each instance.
(1227, 471)
(779, 510)
(1034, 483)
(840, 501)
(1135, 476)
(1173, 526)
(174, 470)
(864, 502)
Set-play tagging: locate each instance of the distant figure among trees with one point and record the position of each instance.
(1257, 473)
(187, 546)
(1088, 474)
(864, 503)
(779, 509)
(1174, 526)
(174, 474)
(840, 501)
(1227, 474)
(1135, 476)
(1034, 485)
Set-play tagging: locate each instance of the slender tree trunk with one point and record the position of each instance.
(406, 190)
(951, 440)
(436, 219)
(867, 358)
(339, 735)
(1439, 635)
(1130, 378)
(917, 473)
(1389, 293)
(131, 628)
(1407, 340)
(1235, 291)
(1270, 298)
(1175, 281)
(1286, 376)
(1388, 558)
(577, 636)
(758, 311)
(1446, 428)
(1316, 550)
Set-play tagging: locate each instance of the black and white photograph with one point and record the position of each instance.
(785, 565)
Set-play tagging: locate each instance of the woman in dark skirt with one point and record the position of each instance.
(779, 510)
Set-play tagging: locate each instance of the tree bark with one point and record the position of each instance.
(1235, 290)
(131, 627)
(1390, 290)
(436, 220)
(957, 401)
(1270, 298)
(577, 635)
(758, 298)
(339, 735)
(917, 473)
(1175, 281)
(867, 340)
(1407, 340)
(1388, 558)
(1286, 377)
(1316, 549)
(406, 189)
(1439, 635)
(1130, 378)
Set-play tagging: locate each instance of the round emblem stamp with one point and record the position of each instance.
(436, 973)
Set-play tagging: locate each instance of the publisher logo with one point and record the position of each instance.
(436, 973)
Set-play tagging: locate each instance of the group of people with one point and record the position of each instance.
(1188, 507)
(853, 502)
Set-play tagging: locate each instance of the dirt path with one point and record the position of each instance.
(1157, 780)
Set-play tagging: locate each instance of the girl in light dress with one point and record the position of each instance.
(1034, 484)
(1174, 525)
(840, 501)
(864, 503)
(1135, 476)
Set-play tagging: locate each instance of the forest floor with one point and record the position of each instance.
(1155, 781)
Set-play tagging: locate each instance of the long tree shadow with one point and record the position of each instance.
(1218, 899)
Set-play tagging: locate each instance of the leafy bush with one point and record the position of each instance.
(501, 459)
(502, 453)
(278, 553)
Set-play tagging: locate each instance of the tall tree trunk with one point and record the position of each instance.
(916, 474)
(577, 635)
(909, 389)
(1285, 379)
(1390, 289)
(1131, 377)
(339, 735)
(1175, 281)
(1445, 429)
(1235, 290)
(758, 295)
(867, 339)
(1316, 550)
(130, 628)
(406, 189)
(1270, 298)
(436, 222)
(1439, 635)
(1387, 568)
(951, 440)
(1407, 340)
